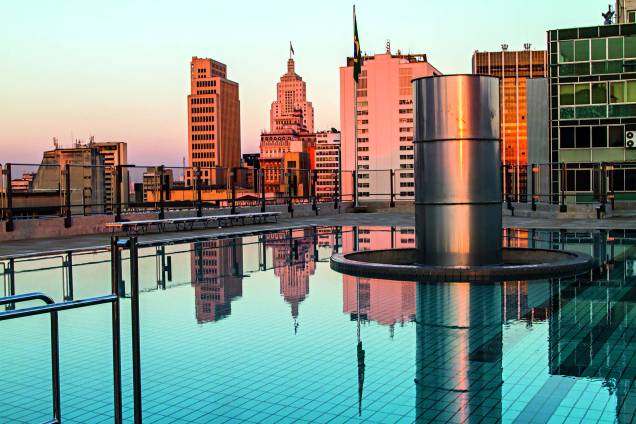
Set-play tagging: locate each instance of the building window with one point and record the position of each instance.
(615, 48)
(616, 136)
(631, 16)
(566, 137)
(599, 136)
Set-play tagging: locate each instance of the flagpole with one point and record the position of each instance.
(355, 126)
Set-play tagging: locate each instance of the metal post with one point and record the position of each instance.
(290, 203)
(11, 289)
(610, 177)
(134, 313)
(314, 180)
(55, 368)
(115, 273)
(534, 181)
(563, 207)
(69, 276)
(336, 191)
(391, 179)
(233, 183)
(354, 176)
(198, 184)
(67, 196)
(161, 193)
(118, 184)
(9, 191)
(262, 171)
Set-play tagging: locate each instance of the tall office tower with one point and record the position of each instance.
(290, 143)
(115, 153)
(327, 162)
(214, 128)
(625, 11)
(217, 277)
(385, 122)
(592, 85)
(514, 68)
(291, 97)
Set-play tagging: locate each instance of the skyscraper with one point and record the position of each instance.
(214, 130)
(385, 121)
(290, 143)
(291, 98)
(514, 68)
(327, 162)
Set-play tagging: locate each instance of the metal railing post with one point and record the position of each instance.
(10, 291)
(290, 202)
(314, 180)
(562, 206)
(198, 184)
(68, 263)
(534, 181)
(162, 211)
(9, 192)
(118, 184)
(67, 196)
(355, 188)
(392, 194)
(233, 185)
(134, 314)
(336, 191)
(262, 171)
(115, 273)
(610, 180)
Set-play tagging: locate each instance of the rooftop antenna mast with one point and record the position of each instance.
(608, 16)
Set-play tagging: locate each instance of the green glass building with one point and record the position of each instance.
(592, 83)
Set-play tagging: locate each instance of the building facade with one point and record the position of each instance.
(287, 150)
(385, 123)
(625, 11)
(291, 97)
(327, 163)
(592, 110)
(214, 130)
(514, 68)
(115, 154)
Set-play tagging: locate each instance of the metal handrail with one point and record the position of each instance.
(52, 308)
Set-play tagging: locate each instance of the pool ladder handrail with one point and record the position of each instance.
(52, 308)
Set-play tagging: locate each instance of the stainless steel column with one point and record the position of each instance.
(457, 170)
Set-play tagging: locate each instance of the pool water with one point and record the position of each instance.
(260, 329)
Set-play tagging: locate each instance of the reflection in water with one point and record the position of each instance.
(217, 277)
(293, 255)
(458, 352)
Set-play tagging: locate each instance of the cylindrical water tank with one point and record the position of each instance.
(457, 170)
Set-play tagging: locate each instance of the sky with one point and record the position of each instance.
(119, 70)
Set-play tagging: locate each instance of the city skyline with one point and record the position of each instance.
(81, 78)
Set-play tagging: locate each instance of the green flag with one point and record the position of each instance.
(357, 56)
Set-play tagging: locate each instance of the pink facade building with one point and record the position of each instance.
(385, 123)
(327, 163)
(291, 98)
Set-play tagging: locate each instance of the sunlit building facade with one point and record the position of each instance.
(514, 68)
(385, 123)
(214, 130)
(327, 163)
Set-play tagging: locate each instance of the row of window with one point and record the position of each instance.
(406, 147)
(202, 155)
(406, 157)
(206, 91)
(597, 93)
(202, 101)
(410, 110)
(202, 137)
(581, 179)
(198, 146)
(207, 118)
(208, 109)
(592, 136)
(597, 49)
(206, 83)
(202, 127)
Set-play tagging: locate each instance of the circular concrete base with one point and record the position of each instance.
(518, 264)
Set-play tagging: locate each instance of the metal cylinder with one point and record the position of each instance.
(457, 170)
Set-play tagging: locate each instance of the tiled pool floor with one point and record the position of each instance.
(260, 329)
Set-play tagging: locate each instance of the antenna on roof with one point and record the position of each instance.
(527, 46)
(56, 143)
(388, 46)
(504, 47)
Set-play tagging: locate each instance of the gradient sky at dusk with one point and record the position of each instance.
(119, 70)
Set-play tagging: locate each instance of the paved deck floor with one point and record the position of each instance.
(397, 219)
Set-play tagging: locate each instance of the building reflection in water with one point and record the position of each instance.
(217, 277)
(294, 260)
(458, 352)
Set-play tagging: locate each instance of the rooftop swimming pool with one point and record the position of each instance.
(260, 329)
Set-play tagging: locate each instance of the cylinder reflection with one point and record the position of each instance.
(458, 352)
